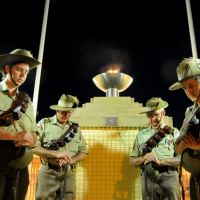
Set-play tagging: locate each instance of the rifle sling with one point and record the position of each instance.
(156, 142)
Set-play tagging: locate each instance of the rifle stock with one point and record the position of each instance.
(191, 158)
(15, 112)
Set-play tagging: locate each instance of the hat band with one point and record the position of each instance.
(63, 104)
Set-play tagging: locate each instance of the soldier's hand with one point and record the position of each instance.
(63, 158)
(149, 157)
(62, 162)
(25, 138)
(158, 162)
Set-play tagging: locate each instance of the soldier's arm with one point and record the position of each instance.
(43, 152)
(78, 157)
(143, 160)
(23, 138)
(137, 161)
(7, 135)
(174, 162)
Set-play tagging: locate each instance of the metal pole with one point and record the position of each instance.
(191, 29)
(40, 57)
(194, 55)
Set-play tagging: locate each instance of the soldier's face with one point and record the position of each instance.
(192, 89)
(17, 73)
(63, 116)
(155, 118)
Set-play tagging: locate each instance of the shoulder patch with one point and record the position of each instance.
(38, 126)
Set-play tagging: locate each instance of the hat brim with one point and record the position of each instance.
(175, 86)
(10, 58)
(60, 108)
(147, 111)
(160, 106)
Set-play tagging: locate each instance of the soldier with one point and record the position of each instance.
(188, 144)
(60, 148)
(153, 151)
(17, 125)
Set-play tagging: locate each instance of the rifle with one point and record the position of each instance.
(63, 139)
(18, 107)
(190, 158)
(21, 156)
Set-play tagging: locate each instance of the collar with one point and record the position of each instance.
(4, 87)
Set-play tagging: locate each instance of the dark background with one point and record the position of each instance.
(147, 38)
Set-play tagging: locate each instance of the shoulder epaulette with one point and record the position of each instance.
(1, 88)
(73, 122)
(47, 119)
(143, 129)
(189, 109)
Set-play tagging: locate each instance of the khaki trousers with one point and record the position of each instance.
(49, 181)
(166, 187)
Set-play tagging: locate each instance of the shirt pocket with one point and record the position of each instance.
(167, 148)
(74, 146)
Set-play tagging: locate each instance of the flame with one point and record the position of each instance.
(113, 69)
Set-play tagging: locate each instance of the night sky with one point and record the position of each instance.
(147, 39)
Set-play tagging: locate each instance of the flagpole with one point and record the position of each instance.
(40, 57)
(192, 34)
(191, 29)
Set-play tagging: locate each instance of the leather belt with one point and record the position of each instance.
(162, 169)
(165, 169)
(54, 167)
(58, 168)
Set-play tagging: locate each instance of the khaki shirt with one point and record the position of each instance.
(26, 122)
(50, 129)
(164, 149)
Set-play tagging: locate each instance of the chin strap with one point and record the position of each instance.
(198, 98)
(13, 79)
